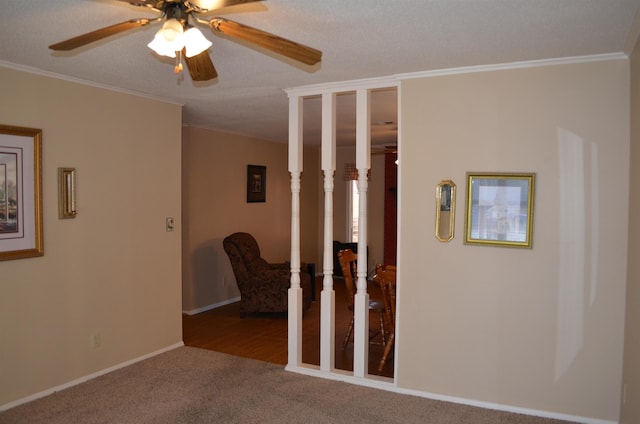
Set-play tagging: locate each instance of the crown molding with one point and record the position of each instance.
(394, 80)
(48, 74)
(332, 87)
(513, 65)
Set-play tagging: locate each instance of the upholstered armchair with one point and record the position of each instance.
(263, 286)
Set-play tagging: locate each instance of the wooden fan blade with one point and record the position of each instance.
(201, 67)
(99, 34)
(272, 42)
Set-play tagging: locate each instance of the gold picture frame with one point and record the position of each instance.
(500, 209)
(20, 193)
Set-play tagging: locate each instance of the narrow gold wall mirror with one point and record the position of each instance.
(66, 193)
(445, 210)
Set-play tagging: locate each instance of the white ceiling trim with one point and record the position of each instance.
(513, 65)
(394, 80)
(343, 86)
(48, 74)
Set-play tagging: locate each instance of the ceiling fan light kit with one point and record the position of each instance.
(172, 38)
(178, 37)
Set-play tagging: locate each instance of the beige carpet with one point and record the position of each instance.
(189, 385)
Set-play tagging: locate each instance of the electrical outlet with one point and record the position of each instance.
(169, 226)
(96, 340)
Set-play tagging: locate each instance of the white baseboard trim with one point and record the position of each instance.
(389, 385)
(86, 378)
(212, 306)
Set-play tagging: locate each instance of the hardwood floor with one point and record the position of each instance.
(264, 336)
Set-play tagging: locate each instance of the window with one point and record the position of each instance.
(353, 210)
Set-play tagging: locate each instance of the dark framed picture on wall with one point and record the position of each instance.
(256, 183)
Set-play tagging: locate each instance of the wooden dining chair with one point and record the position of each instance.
(348, 263)
(386, 278)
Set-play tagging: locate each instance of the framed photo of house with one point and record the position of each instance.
(256, 183)
(20, 193)
(500, 209)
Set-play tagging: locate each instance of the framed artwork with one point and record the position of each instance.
(20, 193)
(256, 183)
(500, 209)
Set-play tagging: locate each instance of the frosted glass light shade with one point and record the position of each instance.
(160, 46)
(209, 4)
(169, 39)
(194, 42)
(172, 30)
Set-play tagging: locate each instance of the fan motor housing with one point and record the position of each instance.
(176, 10)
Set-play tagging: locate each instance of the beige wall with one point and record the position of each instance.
(113, 270)
(483, 323)
(631, 402)
(539, 328)
(214, 198)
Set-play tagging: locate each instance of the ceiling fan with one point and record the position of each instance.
(178, 38)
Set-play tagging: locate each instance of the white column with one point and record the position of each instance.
(295, 291)
(327, 297)
(361, 301)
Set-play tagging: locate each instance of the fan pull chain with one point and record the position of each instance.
(178, 68)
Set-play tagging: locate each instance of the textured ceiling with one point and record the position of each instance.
(358, 38)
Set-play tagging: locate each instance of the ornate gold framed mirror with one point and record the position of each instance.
(66, 193)
(445, 210)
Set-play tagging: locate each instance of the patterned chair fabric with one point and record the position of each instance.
(263, 286)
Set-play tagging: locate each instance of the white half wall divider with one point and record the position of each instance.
(328, 93)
